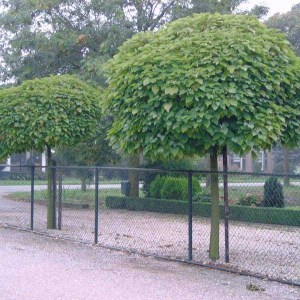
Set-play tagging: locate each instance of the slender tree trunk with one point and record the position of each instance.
(215, 210)
(83, 184)
(207, 166)
(133, 176)
(286, 165)
(50, 208)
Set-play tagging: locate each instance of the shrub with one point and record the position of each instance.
(156, 186)
(250, 200)
(273, 193)
(176, 188)
(148, 177)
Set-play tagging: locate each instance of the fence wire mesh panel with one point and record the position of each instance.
(264, 225)
(15, 206)
(75, 203)
(163, 212)
(133, 218)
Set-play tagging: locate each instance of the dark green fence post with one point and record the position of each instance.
(54, 185)
(96, 205)
(190, 213)
(59, 216)
(32, 169)
(226, 206)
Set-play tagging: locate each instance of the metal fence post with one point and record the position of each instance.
(54, 185)
(59, 216)
(190, 213)
(32, 169)
(96, 205)
(226, 207)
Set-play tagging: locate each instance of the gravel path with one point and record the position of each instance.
(35, 267)
(265, 249)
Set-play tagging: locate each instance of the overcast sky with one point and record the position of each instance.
(275, 5)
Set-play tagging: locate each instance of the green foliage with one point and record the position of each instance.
(201, 82)
(175, 188)
(95, 151)
(183, 8)
(250, 199)
(289, 23)
(265, 215)
(46, 37)
(273, 193)
(148, 177)
(279, 157)
(156, 186)
(203, 196)
(58, 110)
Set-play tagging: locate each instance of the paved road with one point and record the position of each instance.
(5, 189)
(36, 267)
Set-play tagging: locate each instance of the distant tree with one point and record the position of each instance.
(288, 23)
(201, 84)
(44, 113)
(95, 151)
(44, 37)
(185, 8)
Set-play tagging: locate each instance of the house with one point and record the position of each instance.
(264, 162)
(17, 162)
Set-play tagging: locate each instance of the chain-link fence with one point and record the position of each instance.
(165, 213)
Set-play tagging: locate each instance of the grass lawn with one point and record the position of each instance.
(291, 193)
(69, 196)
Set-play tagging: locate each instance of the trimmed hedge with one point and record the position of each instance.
(267, 215)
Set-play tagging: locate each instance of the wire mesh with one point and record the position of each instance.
(147, 211)
(15, 205)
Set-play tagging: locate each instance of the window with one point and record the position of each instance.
(237, 162)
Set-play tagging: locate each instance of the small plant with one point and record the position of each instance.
(273, 193)
(175, 188)
(250, 199)
(203, 196)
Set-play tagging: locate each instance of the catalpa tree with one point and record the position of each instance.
(203, 83)
(44, 113)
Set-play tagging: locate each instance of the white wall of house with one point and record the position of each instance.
(42, 161)
(7, 168)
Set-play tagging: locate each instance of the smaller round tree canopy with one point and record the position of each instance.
(57, 110)
(203, 82)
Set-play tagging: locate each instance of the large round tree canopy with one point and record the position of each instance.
(201, 82)
(57, 110)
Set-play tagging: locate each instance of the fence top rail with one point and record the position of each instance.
(158, 170)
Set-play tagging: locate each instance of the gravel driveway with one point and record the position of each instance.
(35, 267)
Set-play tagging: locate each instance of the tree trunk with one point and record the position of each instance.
(50, 208)
(207, 166)
(286, 165)
(83, 184)
(133, 176)
(215, 210)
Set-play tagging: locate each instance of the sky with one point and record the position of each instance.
(275, 5)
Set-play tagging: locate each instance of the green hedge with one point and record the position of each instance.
(267, 215)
